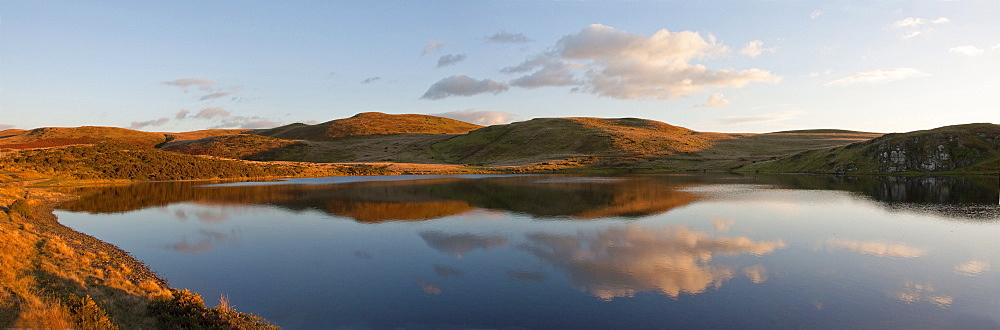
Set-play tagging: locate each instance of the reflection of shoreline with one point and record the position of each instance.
(622, 261)
(545, 197)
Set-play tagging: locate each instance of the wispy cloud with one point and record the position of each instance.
(184, 83)
(757, 119)
(716, 100)
(462, 85)
(450, 59)
(916, 22)
(182, 114)
(755, 48)
(509, 38)
(815, 14)
(214, 96)
(144, 124)
(371, 80)
(6, 126)
(968, 50)
(209, 113)
(248, 122)
(913, 26)
(879, 76)
(432, 46)
(479, 117)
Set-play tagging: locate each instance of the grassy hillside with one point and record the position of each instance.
(369, 123)
(239, 146)
(561, 138)
(743, 149)
(61, 136)
(56, 278)
(970, 148)
(124, 162)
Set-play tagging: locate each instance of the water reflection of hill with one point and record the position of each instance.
(974, 197)
(538, 196)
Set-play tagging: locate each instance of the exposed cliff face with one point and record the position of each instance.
(973, 148)
(944, 149)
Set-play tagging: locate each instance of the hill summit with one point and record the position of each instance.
(369, 123)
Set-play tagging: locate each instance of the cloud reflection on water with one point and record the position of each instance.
(460, 244)
(622, 261)
(876, 248)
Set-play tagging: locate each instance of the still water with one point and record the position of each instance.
(571, 252)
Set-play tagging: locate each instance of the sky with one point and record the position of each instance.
(722, 66)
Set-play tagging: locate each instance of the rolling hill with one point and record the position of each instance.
(369, 123)
(969, 148)
(47, 137)
(562, 138)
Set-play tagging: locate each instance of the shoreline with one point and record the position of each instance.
(57, 277)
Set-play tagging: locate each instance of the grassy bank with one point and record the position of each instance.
(54, 277)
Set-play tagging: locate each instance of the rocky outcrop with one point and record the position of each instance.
(944, 149)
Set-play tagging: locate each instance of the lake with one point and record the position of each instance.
(544, 251)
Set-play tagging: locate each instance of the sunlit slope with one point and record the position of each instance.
(46, 137)
(369, 123)
(129, 162)
(969, 148)
(560, 138)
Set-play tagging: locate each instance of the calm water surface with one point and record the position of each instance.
(571, 252)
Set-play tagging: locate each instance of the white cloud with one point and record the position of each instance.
(917, 26)
(716, 100)
(6, 126)
(755, 48)
(432, 46)
(209, 113)
(604, 61)
(462, 85)
(450, 59)
(624, 65)
(815, 14)
(879, 76)
(182, 114)
(144, 124)
(757, 119)
(967, 50)
(505, 37)
(995, 47)
(479, 117)
(917, 22)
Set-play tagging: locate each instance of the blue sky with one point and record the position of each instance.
(746, 66)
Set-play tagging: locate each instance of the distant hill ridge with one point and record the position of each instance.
(369, 123)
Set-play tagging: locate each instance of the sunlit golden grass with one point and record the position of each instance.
(55, 278)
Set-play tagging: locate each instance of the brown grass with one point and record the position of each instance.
(53, 277)
(370, 123)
